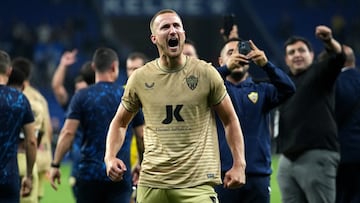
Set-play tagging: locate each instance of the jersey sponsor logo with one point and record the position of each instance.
(210, 175)
(192, 82)
(149, 86)
(170, 114)
(253, 96)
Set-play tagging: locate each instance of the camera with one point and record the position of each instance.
(244, 47)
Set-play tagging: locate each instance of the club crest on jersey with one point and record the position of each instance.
(253, 96)
(192, 82)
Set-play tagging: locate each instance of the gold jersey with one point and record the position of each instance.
(180, 138)
(41, 113)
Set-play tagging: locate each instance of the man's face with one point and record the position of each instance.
(133, 64)
(227, 54)
(169, 34)
(298, 57)
(189, 50)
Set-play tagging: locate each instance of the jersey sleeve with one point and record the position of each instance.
(217, 87)
(73, 111)
(130, 100)
(28, 116)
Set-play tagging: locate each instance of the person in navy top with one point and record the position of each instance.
(62, 95)
(15, 114)
(93, 108)
(253, 103)
(347, 111)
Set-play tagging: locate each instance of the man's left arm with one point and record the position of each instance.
(235, 177)
(65, 140)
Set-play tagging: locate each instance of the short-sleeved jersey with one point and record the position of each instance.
(95, 107)
(181, 146)
(41, 113)
(15, 112)
(37, 107)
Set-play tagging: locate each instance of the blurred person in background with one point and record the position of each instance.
(307, 139)
(92, 108)
(16, 80)
(85, 78)
(190, 49)
(43, 126)
(347, 111)
(15, 114)
(253, 102)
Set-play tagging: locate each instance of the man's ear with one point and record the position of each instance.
(153, 39)
(8, 71)
(312, 55)
(220, 60)
(114, 65)
(93, 66)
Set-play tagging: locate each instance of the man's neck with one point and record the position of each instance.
(27, 83)
(3, 80)
(172, 63)
(104, 77)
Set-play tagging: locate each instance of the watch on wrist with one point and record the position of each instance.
(53, 165)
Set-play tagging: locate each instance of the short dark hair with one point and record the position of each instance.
(135, 55)
(233, 39)
(79, 78)
(293, 39)
(87, 73)
(5, 61)
(103, 58)
(16, 78)
(24, 65)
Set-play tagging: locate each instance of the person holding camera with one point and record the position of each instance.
(253, 102)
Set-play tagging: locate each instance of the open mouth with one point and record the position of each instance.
(173, 42)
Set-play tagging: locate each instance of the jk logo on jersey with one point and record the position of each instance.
(170, 113)
(253, 96)
(192, 82)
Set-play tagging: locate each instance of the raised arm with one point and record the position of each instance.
(235, 177)
(324, 33)
(282, 86)
(57, 83)
(115, 168)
